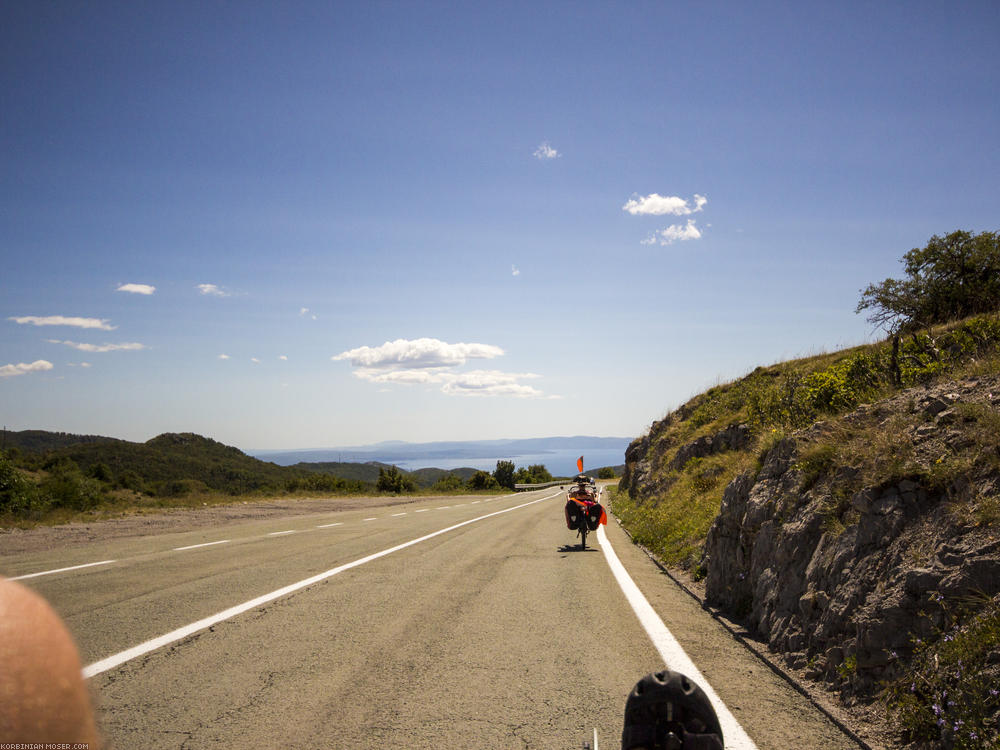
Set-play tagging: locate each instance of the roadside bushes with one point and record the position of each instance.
(17, 493)
(67, 487)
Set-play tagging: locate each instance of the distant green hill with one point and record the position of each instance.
(179, 463)
(368, 471)
(40, 441)
(152, 465)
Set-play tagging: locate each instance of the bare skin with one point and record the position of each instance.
(43, 698)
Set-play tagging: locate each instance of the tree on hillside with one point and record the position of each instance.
(482, 480)
(504, 474)
(534, 474)
(393, 480)
(952, 278)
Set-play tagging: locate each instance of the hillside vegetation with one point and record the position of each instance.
(846, 507)
(53, 477)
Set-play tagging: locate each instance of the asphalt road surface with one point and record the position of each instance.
(442, 623)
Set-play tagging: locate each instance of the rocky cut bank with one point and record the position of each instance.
(863, 548)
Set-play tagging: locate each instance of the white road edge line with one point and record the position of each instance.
(61, 570)
(673, 655)
(280, 533)
(196, 546)
(121, 657)
(328, 525)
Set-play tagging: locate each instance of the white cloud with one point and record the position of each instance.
(255, 360)
(137, 288)
(674, 233)
(545, 152)
(515, 271)
(472, 383)
(433, 362)
(418, 353)
(491, 383)
(304, 312)
(39, 365)
(212, 290)
(62, 320)
(100, 347)
(223, 356)
(282, 357)
(659, 205)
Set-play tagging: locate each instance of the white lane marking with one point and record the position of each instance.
(328, 525)
(422, 510)
(442, 507)
(673, 655)
(280, 533)
(373, 518)
(61, 570)
(196, 546)
(121, 657)
(476, 502)
(396, 515)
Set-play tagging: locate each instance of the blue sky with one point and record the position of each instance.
(291, 225)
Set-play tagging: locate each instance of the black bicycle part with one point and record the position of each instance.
(668, 711)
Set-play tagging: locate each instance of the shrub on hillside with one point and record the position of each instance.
(67, 487)
(448, 483)
(393, 480)
(17, 493)
(482, 480)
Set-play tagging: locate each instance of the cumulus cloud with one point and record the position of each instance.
(545, 152)
(223, 356)
(491, 383)
(146, 289)
(304, 312)
(674, 233)
(212, 290)
(660, 205)
(283, 357)
(418, 354)
(39, 365)
(255, 360)
(434, 362)
(472, 383)
(62, 320)
(515, 271)
(99, 347)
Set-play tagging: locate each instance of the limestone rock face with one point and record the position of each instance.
(825, 593)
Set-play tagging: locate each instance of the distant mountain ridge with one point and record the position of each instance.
(396, 451)
(173, 463)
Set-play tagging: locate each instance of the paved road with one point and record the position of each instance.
(496, 633)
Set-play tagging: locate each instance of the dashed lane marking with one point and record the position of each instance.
(173, 636)
(196, 546)
(61, 570)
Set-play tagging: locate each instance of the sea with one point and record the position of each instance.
(560, 463)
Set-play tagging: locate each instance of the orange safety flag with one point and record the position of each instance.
(579, 464)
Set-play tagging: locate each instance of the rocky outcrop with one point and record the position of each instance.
(734, 437)
(842, 583)
(641, 478)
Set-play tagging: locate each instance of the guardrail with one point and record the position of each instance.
(541, 486)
